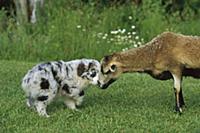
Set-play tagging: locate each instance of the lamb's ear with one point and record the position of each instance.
(81, 69)
(107, 58)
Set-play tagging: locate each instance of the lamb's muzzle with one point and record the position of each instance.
(107, 84)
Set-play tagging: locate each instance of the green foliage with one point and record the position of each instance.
(81, 28)
(70, 29)
(145, 105)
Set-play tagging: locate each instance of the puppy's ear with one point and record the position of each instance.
(91, 65)
(81, 69)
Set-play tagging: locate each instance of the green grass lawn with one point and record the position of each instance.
(135, 103)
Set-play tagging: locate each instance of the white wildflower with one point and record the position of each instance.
(111, 39)
(119, 30)
(139, 43)
(124, 49)
(118, 36)
(126, 37)
(130, 17)
(104, 37)
(99, 34)
(133, 33)
(78, 26)
(133, 27)
(123, 31)
(114, 32)
(130, 41)
(137, 37)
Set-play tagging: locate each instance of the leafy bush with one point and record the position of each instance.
(77, 29)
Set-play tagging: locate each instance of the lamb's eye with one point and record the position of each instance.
(113, 68)
(93, 74)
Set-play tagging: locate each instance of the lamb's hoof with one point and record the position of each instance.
(179, 110)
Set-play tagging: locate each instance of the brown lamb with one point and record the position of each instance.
(169, 55)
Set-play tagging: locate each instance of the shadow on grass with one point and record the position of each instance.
(128, 101)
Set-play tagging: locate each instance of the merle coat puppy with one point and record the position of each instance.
(58, 78)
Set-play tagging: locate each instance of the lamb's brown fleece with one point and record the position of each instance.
(169, 55)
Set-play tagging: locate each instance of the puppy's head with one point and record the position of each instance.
(111, 68)
(90, 71)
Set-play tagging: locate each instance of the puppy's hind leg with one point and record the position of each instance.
(41, 105)
(79, 99)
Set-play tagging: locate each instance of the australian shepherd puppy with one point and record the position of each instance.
(58, 78)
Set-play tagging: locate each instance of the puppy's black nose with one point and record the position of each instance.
(93, 74)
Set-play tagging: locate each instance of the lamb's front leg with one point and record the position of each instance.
(179, 101)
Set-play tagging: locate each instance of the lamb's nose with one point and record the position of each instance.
(99, 84)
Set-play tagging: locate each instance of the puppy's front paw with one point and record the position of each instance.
(70, 104)
(43, 114)
(46, 115)
(76, 110)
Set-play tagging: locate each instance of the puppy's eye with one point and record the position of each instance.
(93, 74)
(93, 69)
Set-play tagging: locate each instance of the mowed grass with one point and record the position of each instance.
(135, 103)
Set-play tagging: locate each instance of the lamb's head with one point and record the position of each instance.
(111, 68)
